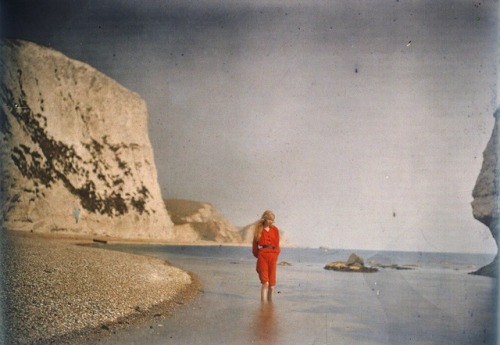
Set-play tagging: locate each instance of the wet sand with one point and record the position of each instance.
(314, 306)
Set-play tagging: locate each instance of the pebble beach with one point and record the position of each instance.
(60, 291)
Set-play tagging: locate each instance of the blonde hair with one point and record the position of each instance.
(259, 225)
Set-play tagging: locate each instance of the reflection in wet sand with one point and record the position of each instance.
(265, 327)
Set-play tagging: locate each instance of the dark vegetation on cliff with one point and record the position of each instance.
(53, 161)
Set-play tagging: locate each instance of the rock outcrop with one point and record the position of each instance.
(199, 221)
(381, 261)
(485, 206)
(353, 264)
(75, 151)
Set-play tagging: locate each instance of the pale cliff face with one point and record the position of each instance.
(75, 152)
(485, 206)
(200, 221)
(485, 193)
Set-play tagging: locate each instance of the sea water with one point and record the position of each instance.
(321, 256)
(436, 302)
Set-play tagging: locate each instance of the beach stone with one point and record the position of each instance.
(353, 264)
(355, 260)
(485, 206)
(75, 151)
(343, 267)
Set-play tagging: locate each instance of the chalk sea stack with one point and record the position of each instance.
(485, 207)
(75, 152)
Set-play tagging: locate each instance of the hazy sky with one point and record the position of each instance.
(361, 123)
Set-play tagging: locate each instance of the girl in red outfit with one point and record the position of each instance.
(266, 248)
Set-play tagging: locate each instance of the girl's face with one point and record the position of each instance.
(268, 222)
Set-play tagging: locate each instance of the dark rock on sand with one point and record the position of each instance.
(353, 264)
(384, 262)
(394, 267)
(355, 260)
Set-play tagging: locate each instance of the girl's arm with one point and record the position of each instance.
(278, 249)
(255, 248)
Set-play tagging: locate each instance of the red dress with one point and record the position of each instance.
(266, 250)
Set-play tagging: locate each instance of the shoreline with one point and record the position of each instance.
(160, 311)
(87, 239)
(230, 293)
(60, 291)
(312, 305)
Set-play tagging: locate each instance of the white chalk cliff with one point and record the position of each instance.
(75, 151)
(485, 206)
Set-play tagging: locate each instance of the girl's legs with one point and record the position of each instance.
(272, 275)
(266, 267)
(263, 270)
(270, 293)
(264, 292)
